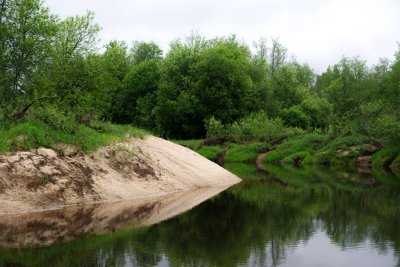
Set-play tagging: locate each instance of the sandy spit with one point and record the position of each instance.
(45, 179)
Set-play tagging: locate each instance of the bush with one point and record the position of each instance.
(377, 120)
(215, 128)
(56, 119)
(255, 127)
(295, 117)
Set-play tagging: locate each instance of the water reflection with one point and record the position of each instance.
(285, 217)
(48, 227)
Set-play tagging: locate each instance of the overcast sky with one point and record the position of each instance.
(317, 32)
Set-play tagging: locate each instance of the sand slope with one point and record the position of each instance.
(43, 179)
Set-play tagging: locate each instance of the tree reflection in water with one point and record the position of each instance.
(259, 222)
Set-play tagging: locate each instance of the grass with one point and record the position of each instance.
(342, 150)
(34, 134)
(305, 150)
(395, 166)
(295, 149)
(191, 144)
(244, 152)
(297, 158)
(386, 157)
(210, 152)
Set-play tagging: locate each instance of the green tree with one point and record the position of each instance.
(201, 79)
(137, 97)
(27, 31)
(70, 76)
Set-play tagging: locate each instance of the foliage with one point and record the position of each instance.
(52, 71)
(386, 156)
(244, 152)
(35, 134)
(296, 149)
(255, 126)
(342, 150)
(192, 144)
(210, 152)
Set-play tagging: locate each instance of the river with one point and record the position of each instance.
(282, 217)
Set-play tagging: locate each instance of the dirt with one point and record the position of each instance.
(260, 161)
(45, 179)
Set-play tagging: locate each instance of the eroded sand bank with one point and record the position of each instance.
(150, 167)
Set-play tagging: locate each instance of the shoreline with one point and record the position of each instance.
(43, 179)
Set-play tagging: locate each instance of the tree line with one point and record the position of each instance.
(51, 70)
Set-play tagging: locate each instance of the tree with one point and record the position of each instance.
(137, 97)
(68, 76)
(143, 51)
(27, 31)
(277, 56)
(201, 79)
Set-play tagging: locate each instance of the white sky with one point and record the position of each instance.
(318, 32)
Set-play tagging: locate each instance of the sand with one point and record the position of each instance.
(44, 179)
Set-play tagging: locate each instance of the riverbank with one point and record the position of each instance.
(302, 150)
(44, 178)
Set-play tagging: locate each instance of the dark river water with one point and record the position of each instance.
(281, 217)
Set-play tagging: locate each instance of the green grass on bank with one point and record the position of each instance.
(386, 157)
(244, 152)
(295, 149)
(305, 149)
(34, 134)
(210, 152)
(343, 150)
(194, 144)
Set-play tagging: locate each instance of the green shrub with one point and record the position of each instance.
(55, 119)
(215, 128)
(254, 127)
(295, 117)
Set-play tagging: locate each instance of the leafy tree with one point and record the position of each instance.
(109, 72)
(143, 51)
(201, 79)
(27, 30)
(137, 98)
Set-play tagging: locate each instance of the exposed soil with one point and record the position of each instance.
(260, 161)
(43, 178)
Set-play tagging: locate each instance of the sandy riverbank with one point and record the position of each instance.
(45, 179)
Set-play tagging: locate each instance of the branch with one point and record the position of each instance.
(19, 115)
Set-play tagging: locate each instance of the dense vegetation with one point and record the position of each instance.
(52, 73)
